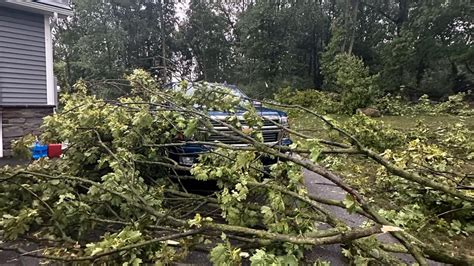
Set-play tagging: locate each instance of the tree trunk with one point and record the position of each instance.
(403, 6)
(163, 42)
(420, 71)
(346, 26)
(315, 63)
(355, 10)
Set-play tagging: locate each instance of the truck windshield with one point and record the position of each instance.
(233, 89)
(193, 87)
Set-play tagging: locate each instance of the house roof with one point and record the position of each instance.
(40, 6)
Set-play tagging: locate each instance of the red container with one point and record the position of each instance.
(54, 150)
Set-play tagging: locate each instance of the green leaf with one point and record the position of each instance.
(350, 203)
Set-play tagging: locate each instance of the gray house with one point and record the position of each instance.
(27, 85)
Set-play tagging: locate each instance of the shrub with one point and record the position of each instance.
(456, 105)
(21, 146)
(395, 105)
(325, 102)
(348, 75)
(392, 105)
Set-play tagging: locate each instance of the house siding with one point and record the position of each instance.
(22, 58)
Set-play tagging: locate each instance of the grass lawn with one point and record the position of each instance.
(315, 127)
(433, 121)
(363, 178)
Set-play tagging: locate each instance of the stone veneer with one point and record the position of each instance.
(19, 121)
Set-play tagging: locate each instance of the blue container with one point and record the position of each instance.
(39, 151)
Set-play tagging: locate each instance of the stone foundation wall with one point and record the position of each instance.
(19, 121)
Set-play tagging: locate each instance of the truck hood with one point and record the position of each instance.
(262, 111)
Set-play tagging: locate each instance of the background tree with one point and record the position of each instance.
(207, 42)
(430, 55)
(107, 39)
(417, 47)
(279, 44)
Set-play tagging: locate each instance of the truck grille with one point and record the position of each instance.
(266, 123)
(270, 132)
(267, 137)
(270, 136)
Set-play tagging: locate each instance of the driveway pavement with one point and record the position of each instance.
(12, 161)
(320, 186)
(11, 258)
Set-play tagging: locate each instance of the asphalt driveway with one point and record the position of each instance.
(322, 187)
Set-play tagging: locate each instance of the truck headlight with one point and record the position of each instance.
(284, 121)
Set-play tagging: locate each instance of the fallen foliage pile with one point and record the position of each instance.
(117, 180)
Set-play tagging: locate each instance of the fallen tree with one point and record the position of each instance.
(117, 195)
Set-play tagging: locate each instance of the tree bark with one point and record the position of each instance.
(403, 7)
(163, 42)
(355, 11)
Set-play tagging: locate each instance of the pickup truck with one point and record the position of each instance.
(273, 134)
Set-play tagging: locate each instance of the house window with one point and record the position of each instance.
(58, 3)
